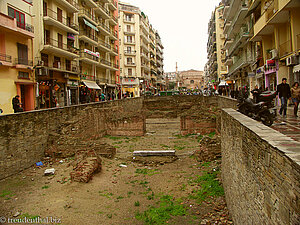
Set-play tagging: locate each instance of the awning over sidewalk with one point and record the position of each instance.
(296, 68)
(91, 85)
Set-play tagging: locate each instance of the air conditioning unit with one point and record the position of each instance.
(274, 53)
(290, 60)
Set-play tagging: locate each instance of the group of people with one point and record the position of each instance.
(284, 92)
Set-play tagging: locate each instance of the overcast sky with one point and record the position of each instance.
(182, 26)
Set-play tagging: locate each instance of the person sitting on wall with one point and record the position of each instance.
(17, 104)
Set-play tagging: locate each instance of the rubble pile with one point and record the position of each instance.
(87, 163)
(210, 149)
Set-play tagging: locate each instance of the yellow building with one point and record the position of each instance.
(16, 54)
(277, 32)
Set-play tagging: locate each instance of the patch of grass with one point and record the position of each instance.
(183, 187)
(145, 171)
(161, 214)
(210, 186)
(106, 194)
(150, 197)
(120, 197)
(100, 212)
(28, 216)
(45, 187)
(113, 138)
(137, 203)
(5, 193)
(118, 143)
(109, 216)
(178, 148)
(212, 134)
(206, 164)
(164, 146)
(129, 193)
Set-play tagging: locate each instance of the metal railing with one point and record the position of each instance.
(272, 9)
(285, 48)
(87, 13)
(5, 58)
(25, 26)
(61, 45)
(103, 43)
(89, 35)
(115, 50)
(63, 20)
(22, 61)
(130, 52)
(101, 24)
(86, 55)
(87, 77)
(101, 7)
(105, 62)
(73, 3)
(115, 34)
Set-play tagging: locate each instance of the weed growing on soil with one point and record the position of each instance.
(161, 214)
(164, 146)
(120, 197)
(107, 194)
(45, 187)
(206, 164)
(178, 148)
(149, 172)
(4, 193)
(113, 138)
(28, 216)
(210, 186)
(137, 203)
(129, 193)
(109, 216)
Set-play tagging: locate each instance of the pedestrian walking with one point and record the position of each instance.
(284, 92)
(295, 92)
(255, 92)
(17, 104)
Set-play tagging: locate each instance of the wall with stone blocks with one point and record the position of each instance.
(260, 172)
(25, 137)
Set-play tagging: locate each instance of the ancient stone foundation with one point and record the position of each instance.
(260, 172)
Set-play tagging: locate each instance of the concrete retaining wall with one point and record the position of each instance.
(260, 172)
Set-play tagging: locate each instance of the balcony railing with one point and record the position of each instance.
(105, 62)
(89, 35)
(73, 3)
(285, 48)
(87, 13)
(243, 33)
(115, 50)
(116, 66)
(25, 26)
(115, 34)
(103, 43)
(63, 20)
(104, 9)
(101, 24)
(57, 44)
(271, 9)
(5, 58)
(67, 65)
(86, 55)
(25, 62)
(130, 52)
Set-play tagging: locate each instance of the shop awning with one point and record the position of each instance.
(223, 83)
(296, 68)
(91, 85)
(90, 25)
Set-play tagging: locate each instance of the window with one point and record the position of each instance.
(128, 27)
(192, 82)
(129, 61)
(59, 15)
(128, 17)
(56, 63)
(128, 49)
(129, 39)
(20, 17)
(60, 40)
(44, 58)
(23, 75)
(22, 54)
(129, 72)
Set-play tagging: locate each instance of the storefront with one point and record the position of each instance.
(26, 92)
(271, 69)
(296, 72)
(72, 92)
(131, 86)
(89, 91)
(259, 76)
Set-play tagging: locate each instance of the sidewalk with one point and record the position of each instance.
(289, 126)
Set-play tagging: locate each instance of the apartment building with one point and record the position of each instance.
(77, 53)
(277, 36)
(16, 54)
(138, 52)
(161, 77)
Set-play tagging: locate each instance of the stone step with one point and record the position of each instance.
(155, 153)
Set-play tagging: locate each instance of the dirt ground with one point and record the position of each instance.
(126, 185)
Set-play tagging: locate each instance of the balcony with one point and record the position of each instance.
(130, 64)
(144, 27)
(52, 46)
(70, 67)
(131, 20)
(114, 51)
(129, 52)
(5, 60)
(145, 47)
(145, 56)
(22, 63)
(88, 37)
(87, 77)
(104, 64)
(91, 3)
(102, 11)
(115, 67)
(83, 12)
(104, 46)
(101, 26)
(239, 41)
(69, 5)
(227, 25)
(228, 61)
(114, 35)
(51, 18)
(238, 20)
(145, 38)
(285, 48)
(113, 20)
(233, 8)
(237, 64)
(129, 32)
(112, 5)
(88, 58)
(127, 42)
(11, 24)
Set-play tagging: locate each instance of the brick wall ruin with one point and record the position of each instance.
(25, 137)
